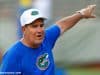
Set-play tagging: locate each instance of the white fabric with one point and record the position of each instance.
(27, 16)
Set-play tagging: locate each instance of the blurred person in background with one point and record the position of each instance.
(0, 55)
(32, 54)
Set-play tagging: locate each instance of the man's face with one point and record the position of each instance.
(34, 32)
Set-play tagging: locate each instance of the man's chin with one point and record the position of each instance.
(39, 41)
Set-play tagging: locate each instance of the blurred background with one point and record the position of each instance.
(77, 52)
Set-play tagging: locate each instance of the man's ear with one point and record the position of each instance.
(23, 29)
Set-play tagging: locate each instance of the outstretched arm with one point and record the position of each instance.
(68, 22)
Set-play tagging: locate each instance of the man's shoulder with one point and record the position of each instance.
(14, 50)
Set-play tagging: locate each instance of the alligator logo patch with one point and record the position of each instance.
(43, 61)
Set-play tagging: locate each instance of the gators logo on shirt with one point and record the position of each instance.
(43, 61)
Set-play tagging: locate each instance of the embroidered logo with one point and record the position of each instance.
(43, 61)
(34, 13)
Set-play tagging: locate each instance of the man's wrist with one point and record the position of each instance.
(81, 14)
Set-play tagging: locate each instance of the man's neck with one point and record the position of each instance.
(29, 44)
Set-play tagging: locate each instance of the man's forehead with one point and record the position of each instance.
(36, 21)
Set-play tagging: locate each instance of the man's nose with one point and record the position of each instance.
(39, 29)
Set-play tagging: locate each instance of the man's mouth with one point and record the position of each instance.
(40, 36)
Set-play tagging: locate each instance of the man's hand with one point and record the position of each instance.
(88, 11)
(68, 22)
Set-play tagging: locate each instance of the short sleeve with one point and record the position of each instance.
(51, 34)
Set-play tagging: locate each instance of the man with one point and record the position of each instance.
(0, 56)
(32, 55)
